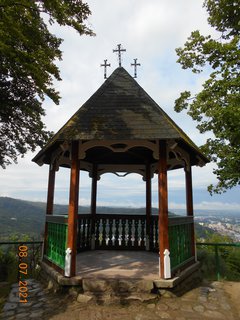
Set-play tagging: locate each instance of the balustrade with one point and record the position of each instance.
(129, 232)
(120, 232)
(84, 232)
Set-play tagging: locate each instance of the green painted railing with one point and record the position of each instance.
(180, 241)
(216, 250)
(56, 240)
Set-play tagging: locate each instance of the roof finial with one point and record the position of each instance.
(119, 50)
(105, 65)
(135, 64)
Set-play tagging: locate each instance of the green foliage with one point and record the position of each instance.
(202, 232)
(8, 266)
(229, 258)
(28, 52)
(233, 264)
(217, 107)
(9, 260)
(8, 274)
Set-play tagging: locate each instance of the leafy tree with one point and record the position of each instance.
(217, 107)
(28, 52)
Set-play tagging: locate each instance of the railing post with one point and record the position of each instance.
(217, 262)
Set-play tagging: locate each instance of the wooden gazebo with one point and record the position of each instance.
(120, 129)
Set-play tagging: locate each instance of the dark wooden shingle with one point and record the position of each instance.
(120, 110)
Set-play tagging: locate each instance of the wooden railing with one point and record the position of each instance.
(112, 232)
(85, 231)
(153, 234)
(117, 231)
(120, 232)
(128, 232)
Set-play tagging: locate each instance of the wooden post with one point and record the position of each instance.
(148, 205)
(73, 207)
(163, 205)
(50, 201)
(51, 187)
(93, 204)
(189, 203)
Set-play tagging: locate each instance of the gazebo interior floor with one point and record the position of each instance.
(110, 264)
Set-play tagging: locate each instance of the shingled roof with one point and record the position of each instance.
(120, 110)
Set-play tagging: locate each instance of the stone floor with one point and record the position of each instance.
(210, 301)
(118, 264)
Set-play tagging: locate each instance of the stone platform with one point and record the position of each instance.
(121, 271)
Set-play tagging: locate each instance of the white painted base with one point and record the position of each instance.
(68, 257)
(167, 264)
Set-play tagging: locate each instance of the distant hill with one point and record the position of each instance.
(18, 217)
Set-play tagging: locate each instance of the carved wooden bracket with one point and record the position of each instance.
(119, 146)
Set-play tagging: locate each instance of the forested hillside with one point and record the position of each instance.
(19, 217)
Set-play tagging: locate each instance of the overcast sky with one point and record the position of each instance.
(150, 31)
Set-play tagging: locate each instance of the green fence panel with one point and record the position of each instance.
(179, 244)
(56, 243)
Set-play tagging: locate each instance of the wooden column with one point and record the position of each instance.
(73, 206)
(51, 187)
(148, 205)
(163, 204)
(50, 200)
(93, 204)
(189, 202)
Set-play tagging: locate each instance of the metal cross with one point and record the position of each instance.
(135, 64)
(119, 50)
(105, 65)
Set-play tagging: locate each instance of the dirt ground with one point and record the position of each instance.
(223, 303)
(233, 290)
(209, 301)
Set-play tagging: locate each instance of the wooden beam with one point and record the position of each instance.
(93, 204)
(189, 203)
(148, 204)
(163, 204)
(73, 206)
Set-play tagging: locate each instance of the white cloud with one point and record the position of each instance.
(206, 205)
